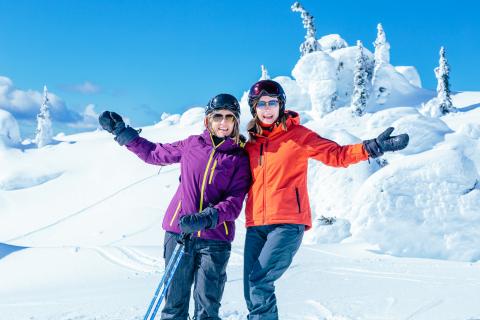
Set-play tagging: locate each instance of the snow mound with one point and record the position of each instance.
(315, 73)
(332, 42)
(424, 132)
(22, 180)
(328, 231)
(297, 98)
(192, 117)
(411, 74)
(423, 206)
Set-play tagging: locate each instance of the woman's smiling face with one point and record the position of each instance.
(222, 123)
(267, 109)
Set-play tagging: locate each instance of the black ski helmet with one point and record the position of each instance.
(223, 101)
(266, 88)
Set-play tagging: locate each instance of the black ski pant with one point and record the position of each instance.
(269, 251)
(203, 265)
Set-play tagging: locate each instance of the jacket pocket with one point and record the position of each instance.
(226, 228)
(283, 203)
(297, 194)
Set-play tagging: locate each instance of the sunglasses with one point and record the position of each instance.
(218, 117)
(270, 104)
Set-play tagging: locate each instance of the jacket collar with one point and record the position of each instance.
(228, 144)
(293, 119)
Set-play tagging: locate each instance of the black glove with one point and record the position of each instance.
(384, 142)
(207, 219)
(113, 123)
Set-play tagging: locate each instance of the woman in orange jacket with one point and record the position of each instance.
(278, 210)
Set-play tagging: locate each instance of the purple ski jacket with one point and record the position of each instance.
(209, 176)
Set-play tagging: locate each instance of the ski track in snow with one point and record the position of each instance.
(139, 231)
(81, 211)
(424, 308)
(130, 258)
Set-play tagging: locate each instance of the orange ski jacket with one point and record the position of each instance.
(278, 163)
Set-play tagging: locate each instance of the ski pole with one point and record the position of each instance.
(167, 284)
(167, 269)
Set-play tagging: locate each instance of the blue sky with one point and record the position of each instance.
(142, 58)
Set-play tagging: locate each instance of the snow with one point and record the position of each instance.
(404, 243)
(411, 74)
(315, 73)
(9, 130)
(397, 238)
(332, 42)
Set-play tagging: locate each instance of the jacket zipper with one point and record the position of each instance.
(176, 212)
(210, 182)
(261, 154)
(212, 171)
(298, 200)
(264, 178)
(205, 174)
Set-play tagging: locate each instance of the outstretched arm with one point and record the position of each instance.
(331, 153)
(157, 153)
(153, 153)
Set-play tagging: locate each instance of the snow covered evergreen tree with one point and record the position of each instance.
(442, 72)
(382, 47)
(265, 75)
(382, 58)
(310, 44)
(44, 124)
(360, 83)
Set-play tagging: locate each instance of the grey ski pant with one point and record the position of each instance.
(269, 251)
(204, 265)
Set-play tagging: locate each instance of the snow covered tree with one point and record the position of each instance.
(44, 124)
(382, 58)
(310, 44)
(442, 72)
(265, 75)
(360, 83)
(382, 47)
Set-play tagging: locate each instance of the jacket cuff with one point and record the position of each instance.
(372, 148)
(213, 217)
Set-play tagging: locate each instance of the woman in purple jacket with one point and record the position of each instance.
(214, 179)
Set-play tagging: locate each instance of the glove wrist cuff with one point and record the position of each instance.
(373, 149)
(126, 136)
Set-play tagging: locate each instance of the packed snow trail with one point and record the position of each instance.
(87, 208)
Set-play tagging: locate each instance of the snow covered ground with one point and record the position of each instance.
(80, 219)
(85, 217)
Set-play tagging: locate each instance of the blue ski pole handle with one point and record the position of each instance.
(167, 284)
(167, 270)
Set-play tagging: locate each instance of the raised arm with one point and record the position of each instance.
(332, 154)
(153, 153)
(157, 153)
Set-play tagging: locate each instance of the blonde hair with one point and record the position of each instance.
(235, 135)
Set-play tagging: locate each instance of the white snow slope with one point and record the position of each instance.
(81, 235)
